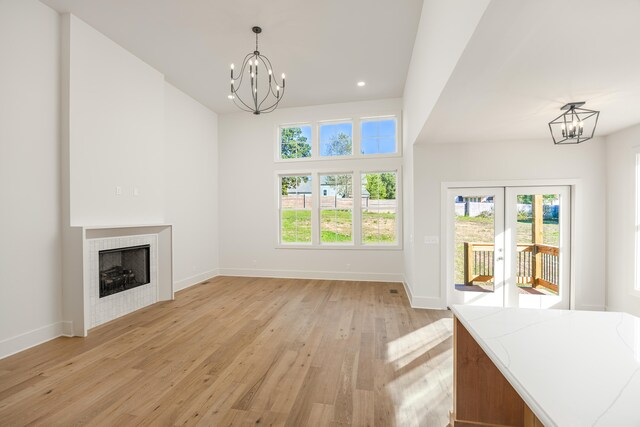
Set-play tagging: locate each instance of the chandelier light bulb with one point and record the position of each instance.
(232, 66)
(269, 71)
(283, 76)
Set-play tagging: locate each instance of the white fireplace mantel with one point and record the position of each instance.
(78, 243)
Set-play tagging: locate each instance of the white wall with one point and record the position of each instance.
(408, 210)
(248, 215)
(30, 301)
(508, 161)
(444, 31)
(443, 34)
(128, 128)
(621, 222)
(116, 125)
(191, 186)
(79, 115)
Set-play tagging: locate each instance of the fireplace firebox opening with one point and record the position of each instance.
(123, 268)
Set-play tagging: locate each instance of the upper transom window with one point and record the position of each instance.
(295, 141)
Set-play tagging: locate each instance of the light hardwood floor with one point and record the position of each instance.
(245, 351)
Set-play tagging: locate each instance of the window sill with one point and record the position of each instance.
(337, 158)
(328, 246)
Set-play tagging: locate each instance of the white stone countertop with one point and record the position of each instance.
(572, 368)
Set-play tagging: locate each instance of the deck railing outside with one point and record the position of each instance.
(536, 264)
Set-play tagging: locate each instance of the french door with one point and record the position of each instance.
(476, 254)
(509, 246)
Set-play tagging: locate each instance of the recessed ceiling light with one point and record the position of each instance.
(361, 84)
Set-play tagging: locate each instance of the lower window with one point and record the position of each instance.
(336, 208)
(319, 209)
(295, 209)
(379, 208)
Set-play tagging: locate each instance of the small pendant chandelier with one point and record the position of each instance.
(574, 126)
(257, 98)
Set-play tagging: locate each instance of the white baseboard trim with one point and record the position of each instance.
(591, 307)
(194, 280)
(67, 328)
(407, 289)
(429, 303)
(26, 340)
(319, 275)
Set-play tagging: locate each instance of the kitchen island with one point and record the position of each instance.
(529, 367)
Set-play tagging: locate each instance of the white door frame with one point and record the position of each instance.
(575, 187)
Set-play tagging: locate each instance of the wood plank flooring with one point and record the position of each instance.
(236, 351)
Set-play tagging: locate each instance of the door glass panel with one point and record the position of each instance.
(474, 243)
(538, 237)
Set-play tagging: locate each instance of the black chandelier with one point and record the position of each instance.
(254, 101)
(575, 125)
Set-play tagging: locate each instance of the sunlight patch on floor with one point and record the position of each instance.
(423, 369)
(419, 394)
(405, 349)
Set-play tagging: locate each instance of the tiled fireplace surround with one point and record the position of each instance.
(102, 310)
(81, 273)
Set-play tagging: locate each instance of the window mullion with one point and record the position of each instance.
(357, 208)
(316, 214)
(356, 138)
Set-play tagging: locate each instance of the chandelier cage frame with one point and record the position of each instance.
(275, 89)
(571, 124)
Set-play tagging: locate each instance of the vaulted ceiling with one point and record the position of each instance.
(325, 47)
(524, 60)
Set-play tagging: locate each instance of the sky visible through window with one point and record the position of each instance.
(306, 132)
(336, 139)
(378, 137)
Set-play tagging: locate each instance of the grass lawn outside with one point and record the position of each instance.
(336, 226)
(296, 226)
(378, 227)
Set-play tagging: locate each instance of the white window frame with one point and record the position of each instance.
(356, 172)
(356, 121)
(336, 122)
(279, 141)
(314, 200)
(398, 202)
(320, 209)
(375, 119)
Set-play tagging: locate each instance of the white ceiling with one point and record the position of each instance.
(528, 58)
(325, 47)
